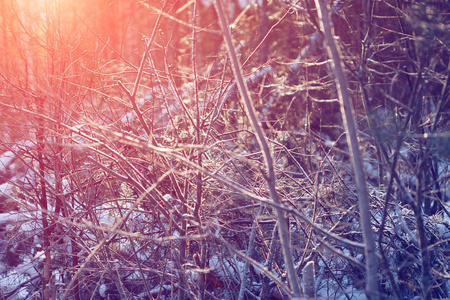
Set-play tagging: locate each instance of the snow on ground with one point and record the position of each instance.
(19, 274)
(9, 283)
(128, 117)
(6, 159)
(5, 189)
(226, 268)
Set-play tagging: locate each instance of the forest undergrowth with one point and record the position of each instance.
(161, 150)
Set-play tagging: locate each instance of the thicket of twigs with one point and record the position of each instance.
(130, 167)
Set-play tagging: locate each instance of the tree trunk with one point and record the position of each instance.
(352, 141)
(283, 221)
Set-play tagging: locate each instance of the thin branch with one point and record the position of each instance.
(261, 138)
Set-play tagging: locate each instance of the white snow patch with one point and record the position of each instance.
(128, 117)
(5, 160)
(102, 290)
(10, 282)
(66, 186)
(227, 267)
(5, 189)
(27, 268)
(40, 255)
(12, 217)
(159, 288)
(354, 295)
